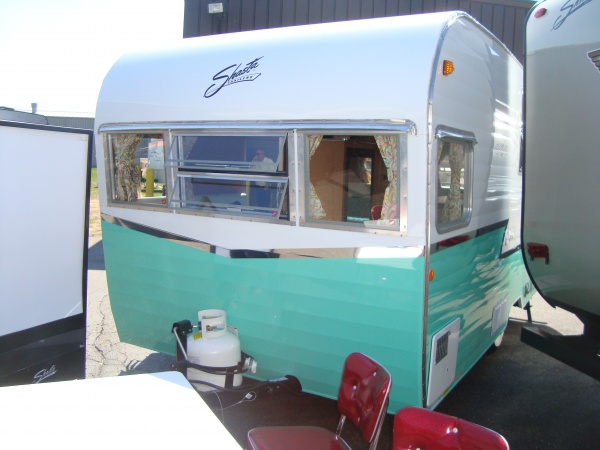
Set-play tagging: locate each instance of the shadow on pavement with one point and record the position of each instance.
(96, 256)
(155, 362)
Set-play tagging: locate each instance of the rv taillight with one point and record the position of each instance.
(540, 12)
(535, 250)
(447, 67)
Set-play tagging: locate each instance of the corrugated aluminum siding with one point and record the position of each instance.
(504, 18)
(85, 123)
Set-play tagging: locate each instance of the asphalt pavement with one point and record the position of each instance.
(534, 401)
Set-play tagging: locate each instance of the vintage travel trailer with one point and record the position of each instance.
(562, 187)
(352, 186)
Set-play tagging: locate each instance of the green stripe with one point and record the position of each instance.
(470, 280)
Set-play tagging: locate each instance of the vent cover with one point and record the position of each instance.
(441, 348)
(499, 315)
(442, 360)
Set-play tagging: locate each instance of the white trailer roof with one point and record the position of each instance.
(358, 70)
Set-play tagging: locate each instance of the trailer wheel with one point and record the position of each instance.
(496, 344)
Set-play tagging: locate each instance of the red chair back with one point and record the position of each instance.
(376, 212)
(424, 429)
(364, 394)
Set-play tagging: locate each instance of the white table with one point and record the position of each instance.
(147, 411)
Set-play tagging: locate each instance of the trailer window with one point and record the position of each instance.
(230, 174)
(454, 160)
(247, 154)
(353, 180)
(137, 167)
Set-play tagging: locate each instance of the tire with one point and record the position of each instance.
(496, 344)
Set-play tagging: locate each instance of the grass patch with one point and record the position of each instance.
(94, 184)
(95, 228)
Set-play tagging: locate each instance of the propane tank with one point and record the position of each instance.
(214, 345)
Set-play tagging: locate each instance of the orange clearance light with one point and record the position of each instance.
(447, 67)
(431, 274)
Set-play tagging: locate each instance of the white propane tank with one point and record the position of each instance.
(214, 345)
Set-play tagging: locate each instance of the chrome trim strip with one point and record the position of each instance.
(156, 232)
(352, 252)
(442, 132)
(354, 227)
(296, 172)
(258, 126)
(430, 159)
(430, 182)
(403, 187)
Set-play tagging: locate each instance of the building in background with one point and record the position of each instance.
(504, 18)
(13, 115)
(82, 123)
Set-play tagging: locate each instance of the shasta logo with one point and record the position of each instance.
(233, 74)
(570, 7)
(44, 373)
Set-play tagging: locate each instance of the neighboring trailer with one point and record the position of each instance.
(328, 187)
(45, 179)
(561, 217)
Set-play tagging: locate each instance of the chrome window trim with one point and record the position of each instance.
(296, 173)
(443, 132)
(246, 211)
(296, 164)
(406, 126)
(402, 186)
(468, 138)
(108, 170)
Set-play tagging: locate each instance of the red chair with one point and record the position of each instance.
(429, 430)
(376, 212)
(363, 398)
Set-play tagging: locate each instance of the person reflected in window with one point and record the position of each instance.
(260, 157)
(260, 194)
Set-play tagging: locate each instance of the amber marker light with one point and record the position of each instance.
(447, 67)
(431, 274)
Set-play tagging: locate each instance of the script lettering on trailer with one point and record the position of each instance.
(227, 76)
(570, 7)
(44, 373)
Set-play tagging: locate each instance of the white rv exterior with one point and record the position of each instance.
(313, 274)
(45, 174)
(562, 156)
